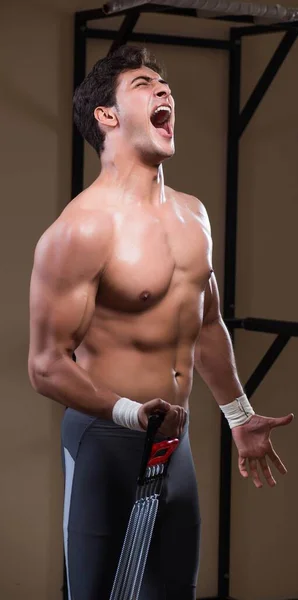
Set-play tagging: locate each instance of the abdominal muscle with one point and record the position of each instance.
(141, 361)
(140, 376)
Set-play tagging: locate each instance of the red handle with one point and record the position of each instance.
(161, 452)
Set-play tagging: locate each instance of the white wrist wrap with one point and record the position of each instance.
(238, 412)
(125, 413)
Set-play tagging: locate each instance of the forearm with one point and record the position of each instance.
(215, 362)
(67, 383)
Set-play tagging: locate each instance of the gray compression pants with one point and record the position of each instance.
(101, 465)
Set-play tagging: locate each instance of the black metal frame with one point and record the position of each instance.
(237, 122)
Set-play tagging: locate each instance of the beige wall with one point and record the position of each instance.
(36, 79)
(267, 287)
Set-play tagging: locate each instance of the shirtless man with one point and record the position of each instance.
(124, 279)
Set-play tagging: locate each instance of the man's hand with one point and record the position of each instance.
(174, 421)
(253, 442)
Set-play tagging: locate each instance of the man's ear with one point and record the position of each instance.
(106, 116)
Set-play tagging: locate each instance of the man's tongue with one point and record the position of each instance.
(160, 120)
(163, 127)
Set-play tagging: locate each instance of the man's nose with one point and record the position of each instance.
(162, 90)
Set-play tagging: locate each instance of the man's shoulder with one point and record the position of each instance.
(82, 230)
(192, 202)
(83, 220)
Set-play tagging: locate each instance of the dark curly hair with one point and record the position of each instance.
(100, 85)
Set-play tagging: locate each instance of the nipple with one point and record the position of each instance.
(144, 296)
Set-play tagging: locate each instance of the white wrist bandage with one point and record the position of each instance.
(238, 412)
(125, 413)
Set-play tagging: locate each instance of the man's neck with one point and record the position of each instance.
(135, 181)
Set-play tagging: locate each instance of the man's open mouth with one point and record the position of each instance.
(160, 119)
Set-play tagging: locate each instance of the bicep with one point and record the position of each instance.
(62, 300)
(58, 319)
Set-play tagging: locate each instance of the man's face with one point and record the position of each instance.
(145, 110)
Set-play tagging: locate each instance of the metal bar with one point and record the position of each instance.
(77, 177)
(266, 363)
(155, 38)
(126, 29)
(232, 179)
(229, 306)
(269, 13)
(289, 328)
(266, 78)
(97, 13)
(167, 10)
(223, 578)
(262, 29)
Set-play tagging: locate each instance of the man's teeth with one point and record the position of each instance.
(159, 108)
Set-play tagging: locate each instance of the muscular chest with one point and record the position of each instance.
(152, 253)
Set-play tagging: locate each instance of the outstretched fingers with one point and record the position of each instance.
(253, 464)
(253, 467)
(276, 461)
(242, 467)
(267, 472)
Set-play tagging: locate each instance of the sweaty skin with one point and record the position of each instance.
(123, 286)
